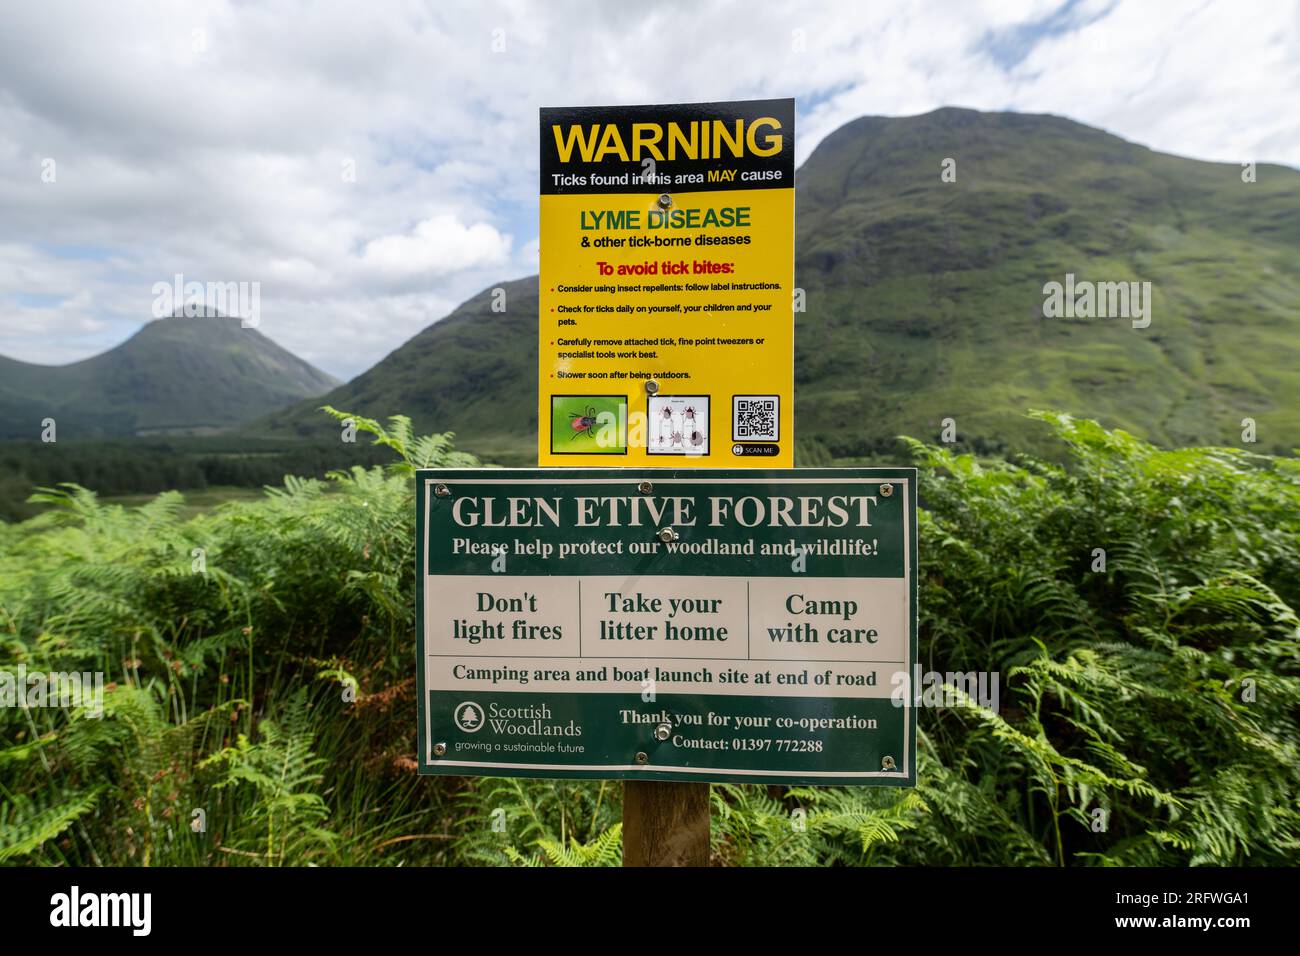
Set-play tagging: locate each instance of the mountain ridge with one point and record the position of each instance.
(925, 299)
(178, 374)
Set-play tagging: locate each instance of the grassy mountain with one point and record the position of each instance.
(175, 375)
(925, 298)
(474, 372)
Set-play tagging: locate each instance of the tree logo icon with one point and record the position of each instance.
(468, 716)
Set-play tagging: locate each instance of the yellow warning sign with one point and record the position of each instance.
(666, 327)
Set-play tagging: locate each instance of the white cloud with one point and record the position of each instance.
(437, 247)
(530, 254)
(373, 168)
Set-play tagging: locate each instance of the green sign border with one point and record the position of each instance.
(578, 476)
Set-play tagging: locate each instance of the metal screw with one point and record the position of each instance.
(665, 200)
(663, 731)
(440, 750)
(642, 757)
(886, 490)
(645, 487)
(441, 490)
(668, 534)
(651, 387)
(887, 763)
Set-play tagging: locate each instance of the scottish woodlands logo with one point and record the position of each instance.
(469, 717)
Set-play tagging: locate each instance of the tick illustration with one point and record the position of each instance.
(582, 423)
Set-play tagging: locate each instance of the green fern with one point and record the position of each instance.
(284, 774)
(26, 826)
(605, 850)
(1149, 708)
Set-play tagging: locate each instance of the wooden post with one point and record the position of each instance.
(665, 824)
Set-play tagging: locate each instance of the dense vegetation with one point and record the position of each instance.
(133, 466)
(1150, 710)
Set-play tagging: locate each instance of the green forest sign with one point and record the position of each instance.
(743, 626)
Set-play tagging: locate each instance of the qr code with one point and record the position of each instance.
(755, 417)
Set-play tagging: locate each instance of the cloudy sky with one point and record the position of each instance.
(374, 164)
